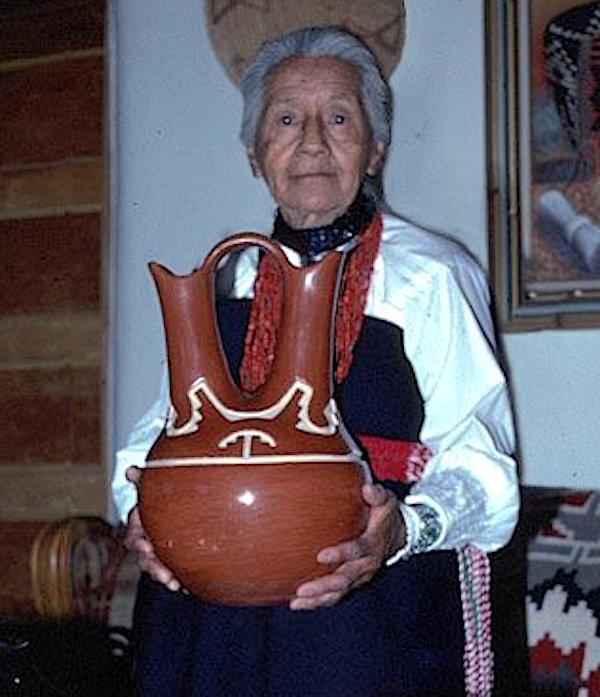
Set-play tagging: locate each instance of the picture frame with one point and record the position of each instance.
(543, 121)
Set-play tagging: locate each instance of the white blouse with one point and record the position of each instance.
(431, 288)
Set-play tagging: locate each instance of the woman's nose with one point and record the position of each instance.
(313, 136)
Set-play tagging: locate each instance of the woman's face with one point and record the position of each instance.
(314, 144)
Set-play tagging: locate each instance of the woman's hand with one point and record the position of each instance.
(358, 560)
(136, 541)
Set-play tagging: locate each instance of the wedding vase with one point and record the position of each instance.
(241, 490)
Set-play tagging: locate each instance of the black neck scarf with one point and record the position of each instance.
(310, 243)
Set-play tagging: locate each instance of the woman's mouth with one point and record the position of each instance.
(312, 175)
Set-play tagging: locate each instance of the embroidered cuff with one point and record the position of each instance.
(424, 530)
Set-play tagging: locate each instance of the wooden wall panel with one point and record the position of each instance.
(53, 189)
(51, 324)
(51, 111)
(36, 27)
(15, 589)
(73, 339)
(50, 416)
(50, 264)
(42, 492)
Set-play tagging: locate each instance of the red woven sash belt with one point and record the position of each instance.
(397, 460)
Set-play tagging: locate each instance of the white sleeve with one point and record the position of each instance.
(468, 420)
(141, 438)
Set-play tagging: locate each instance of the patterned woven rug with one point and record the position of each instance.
(563, 598)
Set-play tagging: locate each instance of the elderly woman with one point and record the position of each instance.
(418, 385)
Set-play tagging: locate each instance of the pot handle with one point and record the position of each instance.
(245, 239)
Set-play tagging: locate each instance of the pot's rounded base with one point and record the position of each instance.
(249, 534)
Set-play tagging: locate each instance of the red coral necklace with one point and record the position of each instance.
(261, 336)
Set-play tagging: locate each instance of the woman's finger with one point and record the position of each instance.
(133, 474)
(329, 590)
(325, 584)
(361, 579)
(363, 568)
(375, 494)
(345, 577)
(158, 572)
(326, 600)
(346, 551)
(142, 546)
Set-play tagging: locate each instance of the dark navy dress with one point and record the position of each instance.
(401, 635)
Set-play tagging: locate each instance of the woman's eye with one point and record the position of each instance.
(339, 119)
(286, 120)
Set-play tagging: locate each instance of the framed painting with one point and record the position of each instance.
(543, 99)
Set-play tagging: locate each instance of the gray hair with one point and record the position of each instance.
(314, 42)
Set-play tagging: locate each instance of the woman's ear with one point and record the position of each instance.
(376, 159)
(254, 164)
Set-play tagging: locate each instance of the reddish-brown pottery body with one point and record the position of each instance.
(242, 490)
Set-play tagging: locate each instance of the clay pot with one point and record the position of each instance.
(242, 490)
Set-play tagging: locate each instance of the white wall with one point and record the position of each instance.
(183, 182)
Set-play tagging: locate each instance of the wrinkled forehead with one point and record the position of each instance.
(300, 77)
